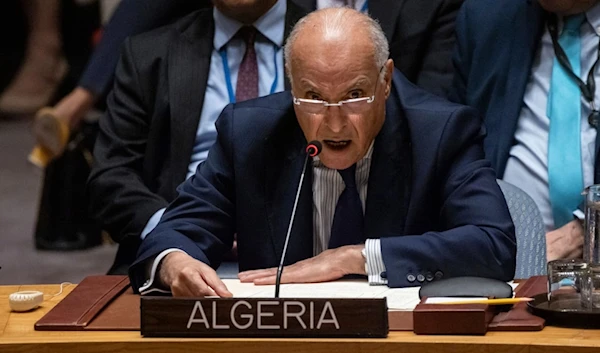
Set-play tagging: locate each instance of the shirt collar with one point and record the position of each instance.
(271, 25)
(593, 17)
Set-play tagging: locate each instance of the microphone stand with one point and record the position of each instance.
(289, 231)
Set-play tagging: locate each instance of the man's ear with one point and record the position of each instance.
(389, 71)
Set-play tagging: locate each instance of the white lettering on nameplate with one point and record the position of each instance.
(292, 310)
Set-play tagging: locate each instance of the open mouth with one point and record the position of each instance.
(337, 145)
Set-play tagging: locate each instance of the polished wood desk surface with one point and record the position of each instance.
(17, 335)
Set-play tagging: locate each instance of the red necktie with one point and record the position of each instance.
(247, 81)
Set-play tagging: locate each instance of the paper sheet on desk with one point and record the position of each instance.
(397, 298)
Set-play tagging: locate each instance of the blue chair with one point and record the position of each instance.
(529, 229)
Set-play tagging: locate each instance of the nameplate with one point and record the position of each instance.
(256, 317)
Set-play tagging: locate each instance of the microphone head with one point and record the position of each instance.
(313, 148)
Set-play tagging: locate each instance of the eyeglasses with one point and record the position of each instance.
(348, 106)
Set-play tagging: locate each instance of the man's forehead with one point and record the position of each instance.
(323, 52)
(310, 82)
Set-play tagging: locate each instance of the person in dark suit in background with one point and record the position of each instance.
(529, 68)
(170, 86)
(401, 191)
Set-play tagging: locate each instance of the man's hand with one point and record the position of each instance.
(188, 277)
(565, 242)
(327, 266)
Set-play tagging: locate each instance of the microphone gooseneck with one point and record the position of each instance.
(313, 148)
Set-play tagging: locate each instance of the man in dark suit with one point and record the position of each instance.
(535, 111)
(421, 49)
(420, 33)
(170, 86)
(410, 162)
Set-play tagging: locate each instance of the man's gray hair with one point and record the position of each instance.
(337, 23)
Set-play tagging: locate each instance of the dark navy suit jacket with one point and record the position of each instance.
(496, 42)
(432, 197)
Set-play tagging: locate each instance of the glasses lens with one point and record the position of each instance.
(356, 106)
(312, 107)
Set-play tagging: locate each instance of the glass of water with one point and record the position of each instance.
(591, 242)
(592, 287)
(568, 285)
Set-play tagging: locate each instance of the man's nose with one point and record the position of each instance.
(334, 119)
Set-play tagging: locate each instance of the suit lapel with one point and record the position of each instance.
(387, 13)
(188, 67)
(285, 156)
(388, 193)
(529, 27)
(524, 46)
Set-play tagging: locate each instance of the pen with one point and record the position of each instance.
(502, 301)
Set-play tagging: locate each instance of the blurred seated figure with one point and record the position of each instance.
(53, 125)
(44, 64)
(531, 68)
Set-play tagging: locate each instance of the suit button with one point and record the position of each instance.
(429, 276)
(420, 278)
(411, 278)
(439, 275)
(383, 274)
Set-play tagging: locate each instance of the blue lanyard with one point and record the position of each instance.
(365, 7)
(227, 73)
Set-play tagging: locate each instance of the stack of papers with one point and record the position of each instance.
(397, 298)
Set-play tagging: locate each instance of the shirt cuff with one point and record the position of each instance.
(148, 286)
(152, 222)
(375, 265)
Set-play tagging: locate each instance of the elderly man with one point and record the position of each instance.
(529, 67)
(408, 161)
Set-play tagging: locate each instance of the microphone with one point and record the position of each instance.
(312, 149)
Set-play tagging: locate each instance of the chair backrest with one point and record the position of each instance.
(529, 229)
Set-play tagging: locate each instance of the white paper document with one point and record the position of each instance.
(397, 298)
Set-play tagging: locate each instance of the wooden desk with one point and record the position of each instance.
(17, 335)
